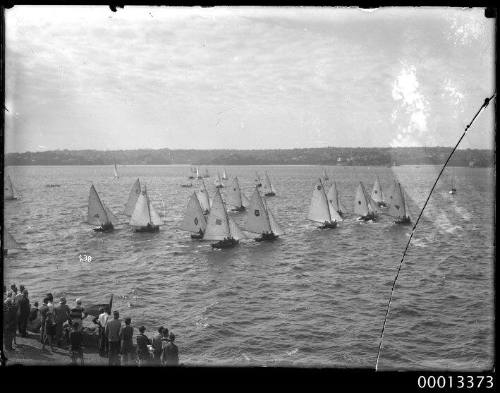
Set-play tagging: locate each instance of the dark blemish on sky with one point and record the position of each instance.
(114, 7)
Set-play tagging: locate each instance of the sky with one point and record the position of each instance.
(246, 77)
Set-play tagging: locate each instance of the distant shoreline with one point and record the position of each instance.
(329, 156)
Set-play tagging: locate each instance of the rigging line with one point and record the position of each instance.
(485, 104)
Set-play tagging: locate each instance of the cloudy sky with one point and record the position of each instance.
(155, 77)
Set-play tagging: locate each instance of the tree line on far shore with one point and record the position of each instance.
(307, 156)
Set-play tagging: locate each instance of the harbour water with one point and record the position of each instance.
(311, 298)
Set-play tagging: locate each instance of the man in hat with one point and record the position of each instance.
(77, 313)
(142, 347)
(157, 338)
(113, 334)
(61, 313)
(170, 353)
(23, 312)
(127, 336)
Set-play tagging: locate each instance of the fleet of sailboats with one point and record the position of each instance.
(98, 213)
(321, 210)
(208, 219)
(260, 219)
(144, 217)
(194, 220)
(221, 227)
(364, 206)
(8, 190)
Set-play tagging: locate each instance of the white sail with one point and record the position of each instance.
(8, 190)
(217, 221)
(9, 243)
(233, 194)
(203, 197)
(360, 202)
(377, 195)
(224, 175)
(140, 215)
(198, 176)
(275, 227)
(268, 186)
(319, 209)
(257, 219)
(334, 213)
(116, 169)
(235, 230)
(342, 209)
(155, 217)
(333, 196)
(244, 200)
(194, 220)
(132, 198)
(397, 206)
(96, 212)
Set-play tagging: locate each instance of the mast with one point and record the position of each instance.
(147, 203)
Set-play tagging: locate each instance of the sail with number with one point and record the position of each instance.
(132, 198)
(363, 205)
(97, 212)
(320, 208)
(144, 212)
(257, 219)
(397, 202)
(377, 194)
(217, 221)
(194, 220)
(8, 190)
(203, 197)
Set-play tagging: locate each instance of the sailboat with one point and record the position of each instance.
(377, 194)
(325, 175)
(194, 221)
(220, 226)
(234, 196)
(115, 169)
(132, 198)
(218, 181)
(9, 243)
(260, 219)
(98, 213)
(321, 210)
(268, 187)
(206, 174)
(258, 180)
(144, 217)
(224, 175)
(203, 197)
(363, 205)
(193, 171)
(334, 199)
(453, 190)
(198, 175)
(398, 207)
(8, 190)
